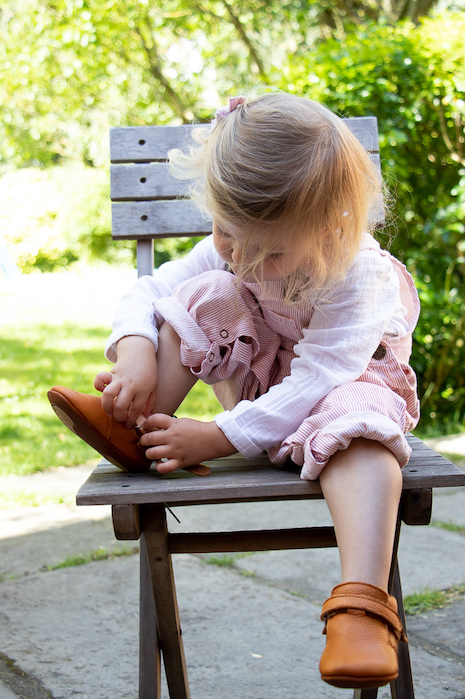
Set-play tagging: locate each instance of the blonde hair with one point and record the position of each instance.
(285, 159)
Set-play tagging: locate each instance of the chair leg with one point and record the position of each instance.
(155, 535)
(365, 693)
(149, 648)
(403, 687)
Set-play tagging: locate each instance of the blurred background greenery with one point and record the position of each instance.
(71, 69)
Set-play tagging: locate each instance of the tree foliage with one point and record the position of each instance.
(70, 68)
(413, 79)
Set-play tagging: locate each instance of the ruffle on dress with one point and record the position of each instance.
(381, 405)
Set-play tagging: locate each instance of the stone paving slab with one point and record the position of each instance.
(75, 630)
(250, 631)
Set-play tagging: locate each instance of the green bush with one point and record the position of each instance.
(413, 79)
(53, 217)
(57, 216)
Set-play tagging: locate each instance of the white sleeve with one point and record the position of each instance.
(135, 316)
(345, 330)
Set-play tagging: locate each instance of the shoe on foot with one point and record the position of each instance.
(363, 631)
(84, 415)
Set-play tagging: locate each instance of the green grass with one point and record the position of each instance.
(427, 600)
(32, 360)
(448, 526)
(226, 560)
(98, 555)
(11, 497)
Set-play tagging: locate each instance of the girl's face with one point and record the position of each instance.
(279, 263)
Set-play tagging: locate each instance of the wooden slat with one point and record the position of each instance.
(366, 130)
(264, 540)
(139, 144)
(236, 479)
(155, 217)
(151, 181)
(233, 479)
(166, 219)
(145, 181)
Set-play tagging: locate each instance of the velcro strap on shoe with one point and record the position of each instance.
(341, 603)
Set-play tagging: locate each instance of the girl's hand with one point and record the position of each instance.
(184, 442)
(130, 389)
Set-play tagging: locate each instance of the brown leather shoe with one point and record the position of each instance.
(363, 631)
(84, 415)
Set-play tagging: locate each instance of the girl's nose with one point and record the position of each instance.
(236, 255)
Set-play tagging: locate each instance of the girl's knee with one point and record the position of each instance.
(368, 459)
(213, 285)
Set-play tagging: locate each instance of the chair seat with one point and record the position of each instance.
(237, 479)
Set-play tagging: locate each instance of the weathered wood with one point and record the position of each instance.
(149, 647)
(237, 479)
(138, 144)
(145, 259)
(126, 521)
(163, 219)
(146, 181)
(144, 191)
(153, 181)
(173, 218)
(263, 540)
(365, 693)
(402, 687)
(366, 130)
(166, 605)
(416, 506)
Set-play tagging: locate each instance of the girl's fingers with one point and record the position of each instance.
(158, 421)
(154, 438)
(150, 405)
(122, 405)
(110, 393)
(135, 410)
(102, 380)
(155, 453)
(167, 466)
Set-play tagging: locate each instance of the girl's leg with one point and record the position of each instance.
(362, 487)
(174, 379)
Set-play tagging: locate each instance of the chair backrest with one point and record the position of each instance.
(148, 202)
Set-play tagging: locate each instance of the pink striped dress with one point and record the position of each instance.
(264, 359)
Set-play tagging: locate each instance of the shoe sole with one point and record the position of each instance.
(345, 682)
(80, 426)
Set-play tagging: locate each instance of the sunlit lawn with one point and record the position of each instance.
(37, 355)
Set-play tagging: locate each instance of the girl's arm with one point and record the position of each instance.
(346, 328)
(134, 315)
(130, 388)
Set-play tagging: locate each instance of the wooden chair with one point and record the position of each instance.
(147, 206)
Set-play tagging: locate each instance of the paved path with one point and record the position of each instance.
(251, 629)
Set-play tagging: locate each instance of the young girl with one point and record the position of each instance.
(303, 325)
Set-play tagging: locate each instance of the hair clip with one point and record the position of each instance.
(222, 112)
